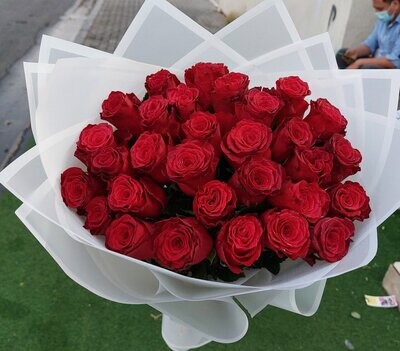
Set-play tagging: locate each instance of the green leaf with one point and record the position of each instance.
(211, 257)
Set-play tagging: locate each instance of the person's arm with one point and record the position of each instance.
(391, 60)
(358, 51)
(394, 55)
(381, 62)
(367, 47)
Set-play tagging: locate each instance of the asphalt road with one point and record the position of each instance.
(20, 23)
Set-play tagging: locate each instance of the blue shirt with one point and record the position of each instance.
(384, 41)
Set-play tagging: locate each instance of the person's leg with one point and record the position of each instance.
(339, 59)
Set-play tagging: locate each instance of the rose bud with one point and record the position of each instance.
(203, 126)
(294, 132)
(312, 165)
(149, 155)
(77, 187)
(350, 200)
(202, 76)
(191, 164)
(213, 203)
(259, 105)
(292, 88)
(131, 237)
(159, 82)
(227, 89)
(331, 238)
(92, 138)
(246, 140)
(286, 233)
(121, 110)
(239, 242)
(98, 215)
(108, 162)
(346, 158)
(184, 99)
(181, 243)
(143, 198)
(257, 179)
(325, 119)
(306, 198)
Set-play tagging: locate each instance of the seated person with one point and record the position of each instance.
(382, 48)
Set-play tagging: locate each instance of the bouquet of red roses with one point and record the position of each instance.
(214, 178)
(210, 176)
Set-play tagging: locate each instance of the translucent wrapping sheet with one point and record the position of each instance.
(195, 311)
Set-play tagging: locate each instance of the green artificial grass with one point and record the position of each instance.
(42, 309)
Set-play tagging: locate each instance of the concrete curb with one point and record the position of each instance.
(89, 21)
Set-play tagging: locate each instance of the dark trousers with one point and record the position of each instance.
(342, 64)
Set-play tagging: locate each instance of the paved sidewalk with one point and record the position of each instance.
(111, 19)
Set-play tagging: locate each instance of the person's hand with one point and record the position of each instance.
(355, 65)
(352, 53)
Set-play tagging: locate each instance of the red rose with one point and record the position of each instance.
(202, 76)
(350, 200)
(344, 152)
(246, 140)
(154, 114)
(306, 198)
(77, 187)
(144, 198)
(259, 105)
(287, 233)
(98, 215)
(231, 85)
(213, 203)
(122, 137)
(312, 165)
(203, 126)
(294, 132)
(149, 155)
(292, 91)
(121, 110)
(109, 161)
(331, 238)
(227, 89)
(226, 121)
(325, 119)
(239, 242)
(184, 99)
(291, 109)
(181, 243)
(292, 88)
(257, 179)
(131, 237)
(346, 159)
(159, 82)
(191, 164)
(92, 138)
